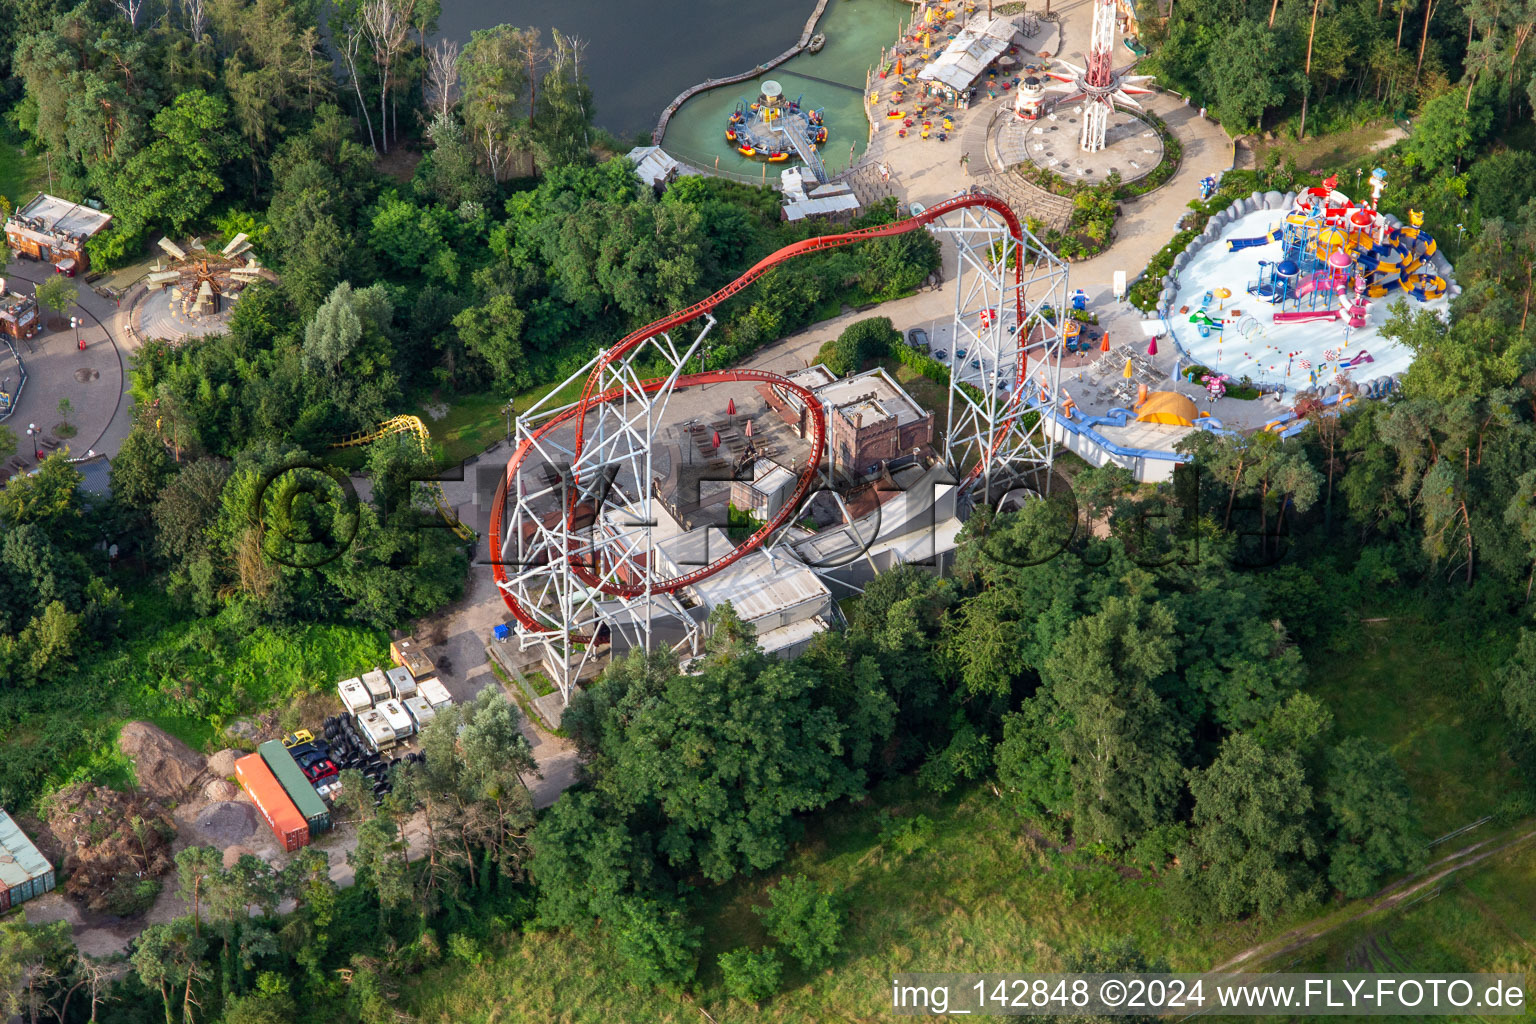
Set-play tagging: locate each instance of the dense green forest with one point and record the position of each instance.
(1153, 712)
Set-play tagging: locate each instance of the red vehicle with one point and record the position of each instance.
(318, 771)
(66, 267)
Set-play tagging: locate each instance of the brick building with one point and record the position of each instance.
(18, 313)
(54, 230)
(871, 420)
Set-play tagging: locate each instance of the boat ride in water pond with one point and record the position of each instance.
(774, 128)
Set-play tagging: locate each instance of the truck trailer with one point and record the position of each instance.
(420, 711)
(397, 717)
(375, 731)
(354, 695)
(408, 654)
(401, 682)
(297, 785)
(435, 693)
(272, 801)
(378, 685)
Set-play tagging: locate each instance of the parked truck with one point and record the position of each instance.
(297, 785)
(272, 801)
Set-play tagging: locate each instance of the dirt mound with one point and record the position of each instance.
(222, 763)
(227, 823)
(167, 768)
(116, 847)
(219, 789)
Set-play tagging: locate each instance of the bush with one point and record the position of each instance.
(922, 362)
(805, 920)
(860, 342)
(750, 976)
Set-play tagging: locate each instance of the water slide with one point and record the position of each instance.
(1410, 248)
(1306, 316)
(1234, 244)
(1310, 285)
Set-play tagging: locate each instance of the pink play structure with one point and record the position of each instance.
(1306, 316)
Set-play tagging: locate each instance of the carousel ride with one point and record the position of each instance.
(773, 129)
(203, 283)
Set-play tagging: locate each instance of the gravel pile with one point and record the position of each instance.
(227, 823)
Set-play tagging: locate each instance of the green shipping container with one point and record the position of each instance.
(299, 789)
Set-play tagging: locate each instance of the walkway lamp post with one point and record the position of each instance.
(32, 438)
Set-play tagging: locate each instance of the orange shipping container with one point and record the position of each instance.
(282, 817)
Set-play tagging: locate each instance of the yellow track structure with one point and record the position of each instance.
(411, 425)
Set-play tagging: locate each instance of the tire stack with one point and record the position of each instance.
(349, 752)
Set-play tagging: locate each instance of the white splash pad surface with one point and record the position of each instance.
(1251, 344)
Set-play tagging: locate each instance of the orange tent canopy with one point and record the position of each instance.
(1167, 407)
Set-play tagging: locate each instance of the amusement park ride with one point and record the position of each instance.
(1098, 85)
(203, 282)
(573, 537)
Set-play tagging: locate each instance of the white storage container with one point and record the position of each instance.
(354, 695)
(376, 730)
(378, 685)
(435, 692)
(397, 718)
(401, 683)
(420, 711)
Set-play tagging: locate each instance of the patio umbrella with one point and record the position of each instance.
(1152, 347)
(730, 407)
(1223, 294)
(1129, 372)
(1104, 345)
(748, 429)
(717, 439)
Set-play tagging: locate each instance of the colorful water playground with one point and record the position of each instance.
(1291, 291)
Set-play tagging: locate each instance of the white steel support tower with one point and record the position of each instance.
(1012, 363)
(580, 526)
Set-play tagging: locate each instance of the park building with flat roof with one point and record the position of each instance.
(54, 230)
(871, 420)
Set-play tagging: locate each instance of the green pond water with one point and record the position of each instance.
(832, 79)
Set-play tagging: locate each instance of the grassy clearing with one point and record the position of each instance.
(1483, 919)
(472, 423)
(191, 677)
(1430, 699)
(1338, 149)
(974, 891)
(22, 175)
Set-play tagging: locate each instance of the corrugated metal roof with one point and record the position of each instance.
(968, 55)
(811, 207)
(19, 859)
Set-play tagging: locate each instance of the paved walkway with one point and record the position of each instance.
(94, 380)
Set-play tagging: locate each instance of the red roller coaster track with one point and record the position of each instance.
(590, 397)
